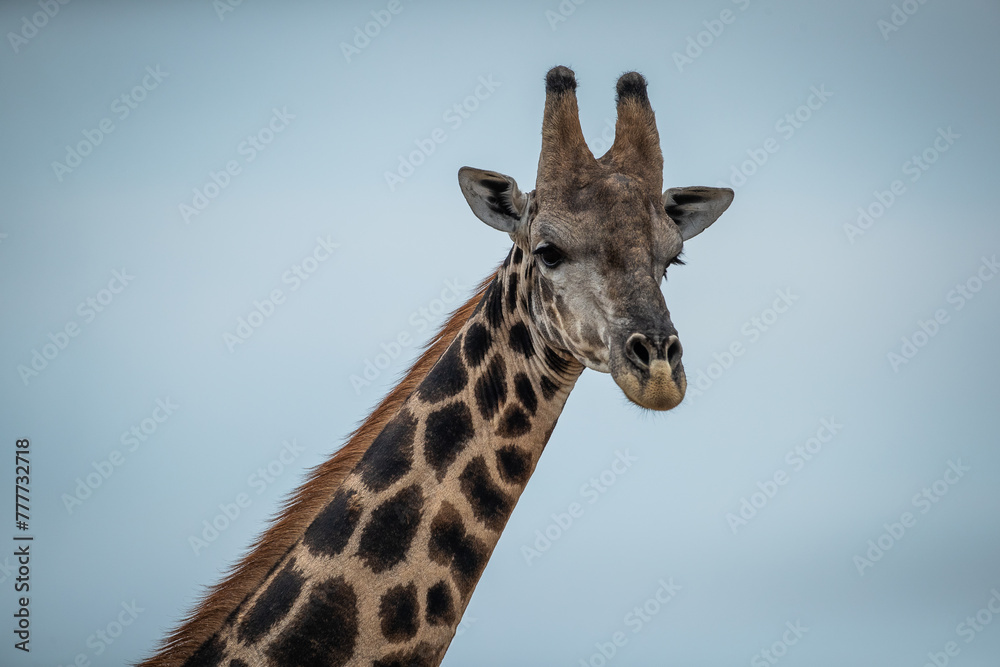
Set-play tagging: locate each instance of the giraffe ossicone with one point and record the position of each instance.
(375, 557)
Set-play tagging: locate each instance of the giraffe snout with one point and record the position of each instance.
(643, 350)
(648, 368)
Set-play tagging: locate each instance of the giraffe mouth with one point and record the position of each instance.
(660, 387)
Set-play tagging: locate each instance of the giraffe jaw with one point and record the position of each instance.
(661, 388)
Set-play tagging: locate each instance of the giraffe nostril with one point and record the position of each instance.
(641, 352)
(674, 351)
(637, 349)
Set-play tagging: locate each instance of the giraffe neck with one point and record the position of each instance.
(384, 573)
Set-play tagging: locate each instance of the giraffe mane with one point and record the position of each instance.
(302, 505)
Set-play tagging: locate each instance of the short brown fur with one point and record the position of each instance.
(301, 508)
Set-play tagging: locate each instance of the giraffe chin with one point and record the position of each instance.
(662, 388)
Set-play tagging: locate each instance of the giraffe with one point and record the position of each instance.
(374, 559)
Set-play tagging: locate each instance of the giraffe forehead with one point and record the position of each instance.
(608, 193)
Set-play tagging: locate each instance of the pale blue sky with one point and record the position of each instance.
(328, 131)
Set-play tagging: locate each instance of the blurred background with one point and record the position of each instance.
(228, 228)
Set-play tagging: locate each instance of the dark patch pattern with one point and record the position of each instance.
(515, 422)
(491, 388)
(545, 287)
(325, 630)
(236, 662)
(518, 255)
(332, 528)
(447, 432)
(514, 464)
(424, 655)
(280, 562)
(451, 546)
(520, 340)
(272, 605)
(493, 304)
(526, 392)
(488, 501)
(446, 378)
(390, 455)
(209, 654)
(440, 607)
(512, 293)
(399, 611)
(549, 388)
(390, 530)
(478, 340)
(231, 618)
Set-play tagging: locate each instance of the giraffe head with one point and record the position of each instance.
(600, 234)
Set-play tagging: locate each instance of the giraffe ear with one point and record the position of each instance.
(695, 208)
(494, 198)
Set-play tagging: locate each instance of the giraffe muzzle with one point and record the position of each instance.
(648, 369)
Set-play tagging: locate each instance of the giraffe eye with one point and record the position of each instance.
(676, 260)
(550, 255)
